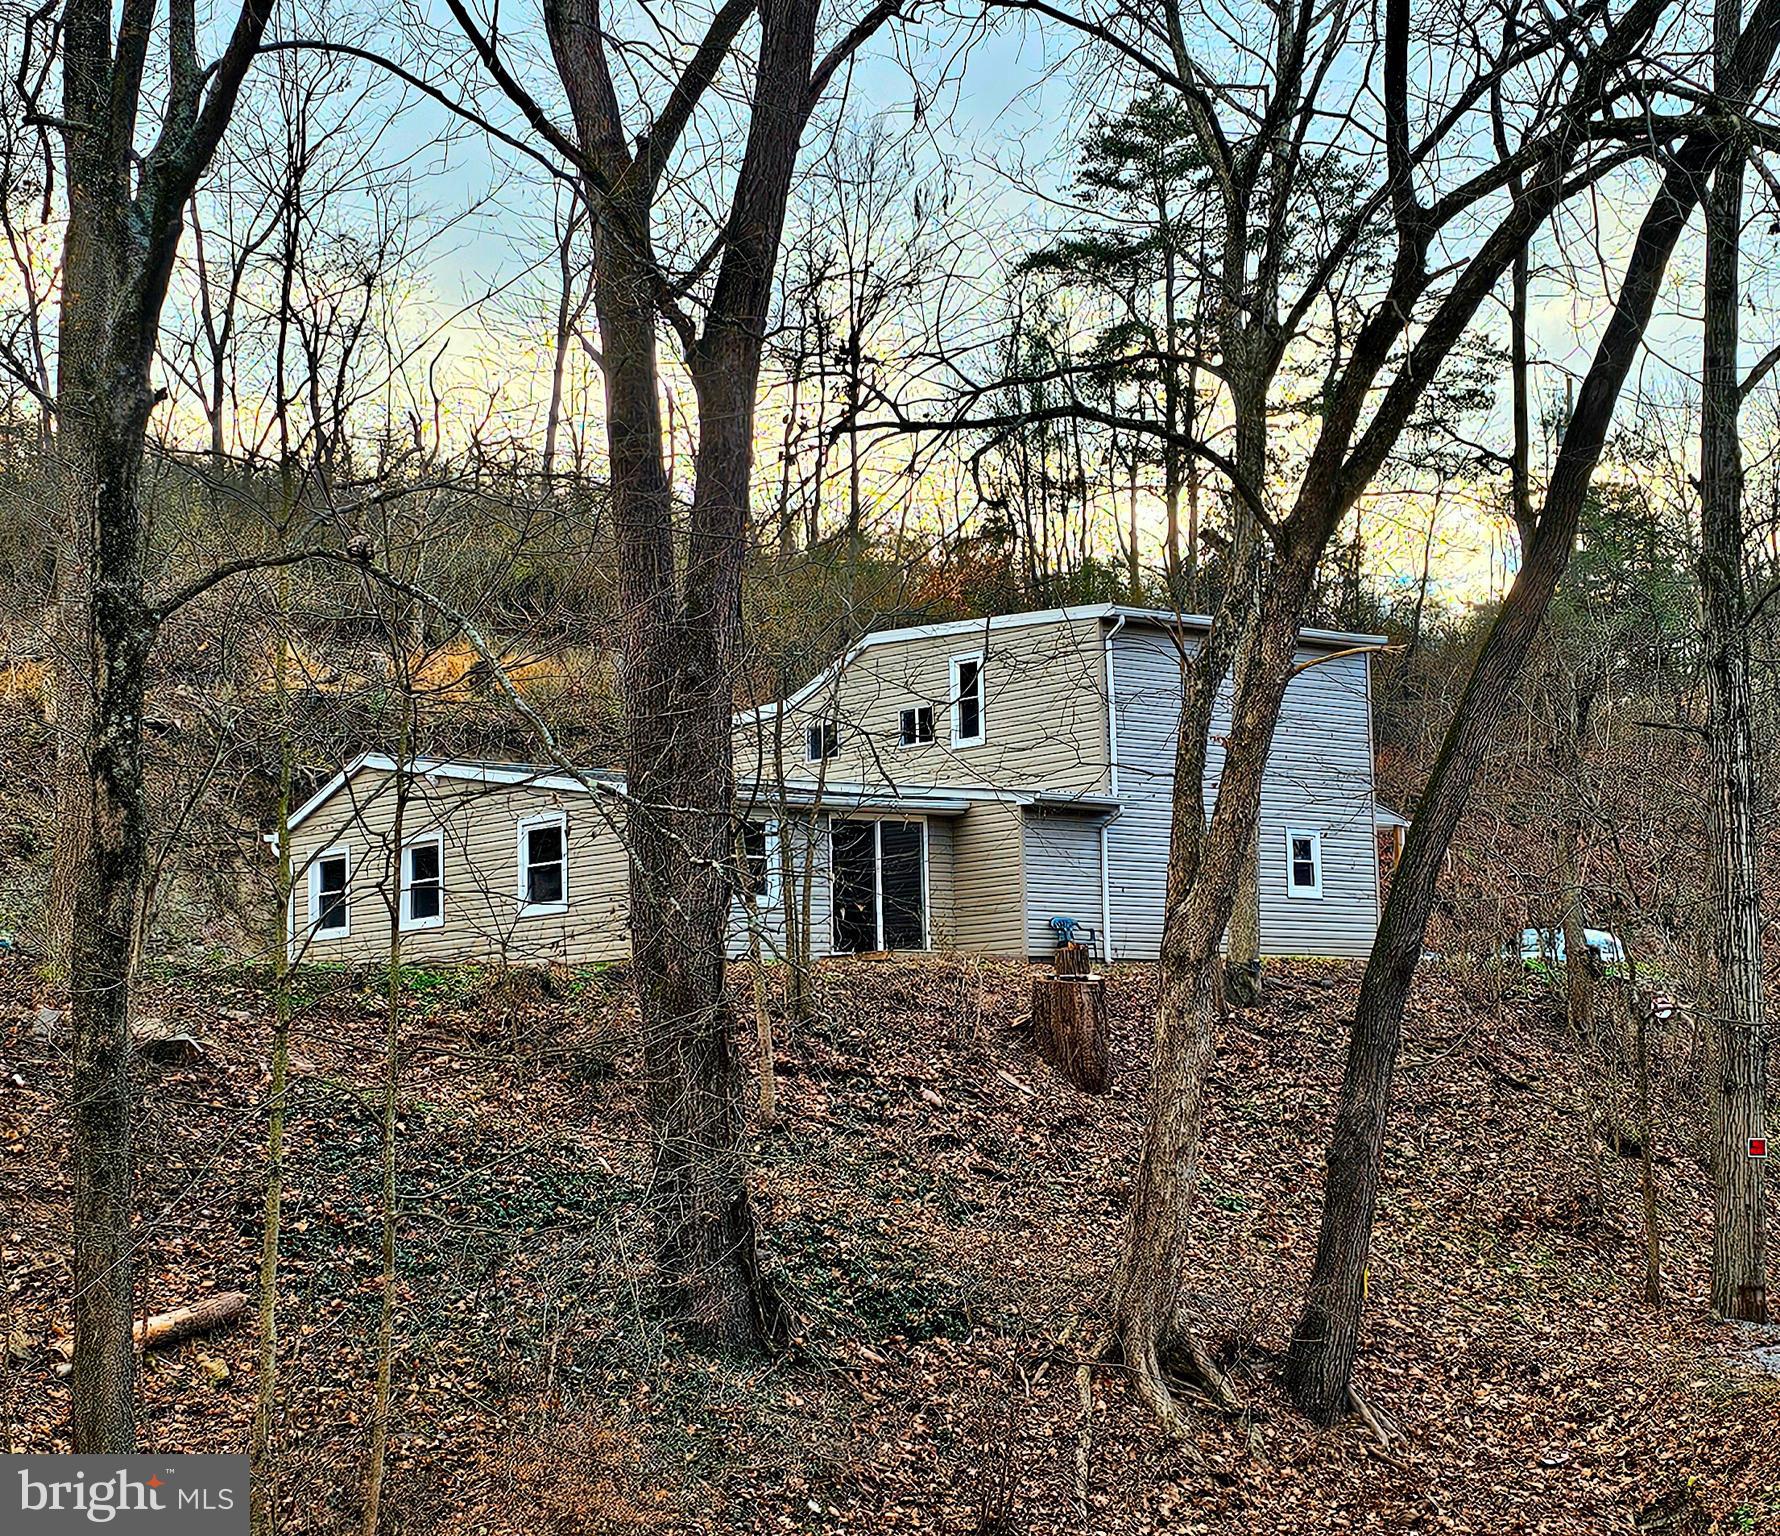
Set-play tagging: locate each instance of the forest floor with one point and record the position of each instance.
(942, 1213)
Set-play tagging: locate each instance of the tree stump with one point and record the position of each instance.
(1069, 1028)
(1070, 960)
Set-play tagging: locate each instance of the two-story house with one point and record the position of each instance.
(949, 785)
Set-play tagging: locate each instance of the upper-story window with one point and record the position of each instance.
(544, 864)
(330, 906)
(1304, 862)
(968, 722)
(916, 729)
(423, 882)
(821, 741)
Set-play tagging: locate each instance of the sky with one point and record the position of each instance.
(477, 223)
(1004, 124)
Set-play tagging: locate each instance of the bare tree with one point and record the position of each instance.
(1326, 1338)
(126, 212)
(680, 586)
(1738, 1082)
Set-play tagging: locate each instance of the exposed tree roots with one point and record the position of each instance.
(1386, 1433)
(1163, 1367)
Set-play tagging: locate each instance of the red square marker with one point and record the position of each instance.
(1758, 1146)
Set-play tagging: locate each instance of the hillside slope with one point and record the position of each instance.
(942, 1213)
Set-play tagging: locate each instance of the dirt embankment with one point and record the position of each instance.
(942, 1214)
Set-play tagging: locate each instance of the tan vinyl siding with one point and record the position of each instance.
(941, 917)
(988, 880)
(482, 916)
(1043, 708)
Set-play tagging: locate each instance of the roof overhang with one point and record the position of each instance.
(981, 629)
(1047, 802)
(750, 794)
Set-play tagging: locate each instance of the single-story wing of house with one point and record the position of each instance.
(978, 785)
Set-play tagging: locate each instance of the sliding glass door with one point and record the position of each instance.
(880, 885)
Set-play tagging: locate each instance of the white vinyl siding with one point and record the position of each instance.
(1318, 779)
(1062, 876)
(806, 837)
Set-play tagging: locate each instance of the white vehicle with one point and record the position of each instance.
(1546, 946)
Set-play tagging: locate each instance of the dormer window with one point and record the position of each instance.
(821, 741)
(967, 701)
(916, 729)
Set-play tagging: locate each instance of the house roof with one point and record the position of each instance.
(480, 771)
(834, 795)
(1168, 618)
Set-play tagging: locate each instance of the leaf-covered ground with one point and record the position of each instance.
(942, 1213)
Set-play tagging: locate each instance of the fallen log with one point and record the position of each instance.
(187, 1322)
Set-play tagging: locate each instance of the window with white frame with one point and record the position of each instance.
(968, 723)
(1304, 862)
(423, 882)
(543, 864)
(330, 893)
(916, 726)
(758, 850)
(821, 741)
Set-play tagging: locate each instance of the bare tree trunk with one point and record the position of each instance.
(125, 218)
(1738, 1077)
(1325, 1341)
(100, 979)
(391, 1084)
(1149, 1320)
(682, 628)
(264, 1502)
(1242, 939)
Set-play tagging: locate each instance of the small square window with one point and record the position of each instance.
(1304, 863)
(916, 729)
(821, 742)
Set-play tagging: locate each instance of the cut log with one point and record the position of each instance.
(1070, 960)
(186, 1322)
(1069, 1028)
